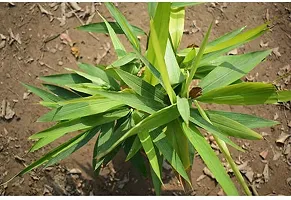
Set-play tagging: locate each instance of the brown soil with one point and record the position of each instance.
(33, 28)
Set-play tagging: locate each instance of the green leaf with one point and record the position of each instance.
(176, 137)
(187, 61)
(184, 108)
(160, 62)
(184, 4)
(140, 86)
(135, 147)
(98, 72)
(152, 6)
(87, 88)
(238, 39)
(174, 72)
(176, 26)
(49, 135)
(101, 27)
(210, 159)
(62, 92)
(232, 128)
(225, 37)
(284, 96)
(231, 68)
(124, 25)
(199, 121)
(50, 155)
(96, 80)
(137, 159)
(46, 96)
(249, 121)
(155, 179)
(170, 155)
(160, 26)
(119, 48)
(195, 62)
(242, 94)
(104, 135)
(150, 123)
(124, 60)
(85, 108)
(149, 149)
(74, 146)
(133, 100)
(65, 79)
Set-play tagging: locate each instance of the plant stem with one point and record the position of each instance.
(226, 153)
(233, 166)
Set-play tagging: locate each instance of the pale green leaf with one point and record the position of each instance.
(118, 46)
(184, 108)
(176, 26)
(98, 72)
(210, 159)
(124, 25)
(174, 72)
(148, 146)
(64, 79)
(101, 27)
(232, 128)
(199, 121)
(133, 100)
(140, 86)
(242, 94)
(160, 24)
(249, 121)
(81, 109)
(49, 135)
(231, 68)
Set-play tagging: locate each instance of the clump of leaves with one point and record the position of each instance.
(148, 103)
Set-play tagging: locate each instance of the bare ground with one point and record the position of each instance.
(120, 178)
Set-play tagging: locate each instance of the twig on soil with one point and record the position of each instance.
(13, 92)
(81, 21)
(254, 190)
(25, 23)
(17, 63)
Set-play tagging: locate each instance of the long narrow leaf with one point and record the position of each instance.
(101, 27)
(124, 25)
(242, 94)
(210, 159)
(249, 121)
(231, 68)
(150, 123)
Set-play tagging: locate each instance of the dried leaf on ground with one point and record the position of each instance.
(288, 181)
(75, 6)
(208, 173)
(66, 39)
(44, 11)
(202, 176)
(6, 110)
(276, 52)
(266, 173)
(26, 94)
(75, 51)
(277, 155)
(233, 52)
(282, 138)
(262, 44)
(75, 171)
(267, 15)
(2, 44)
(264, 154)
